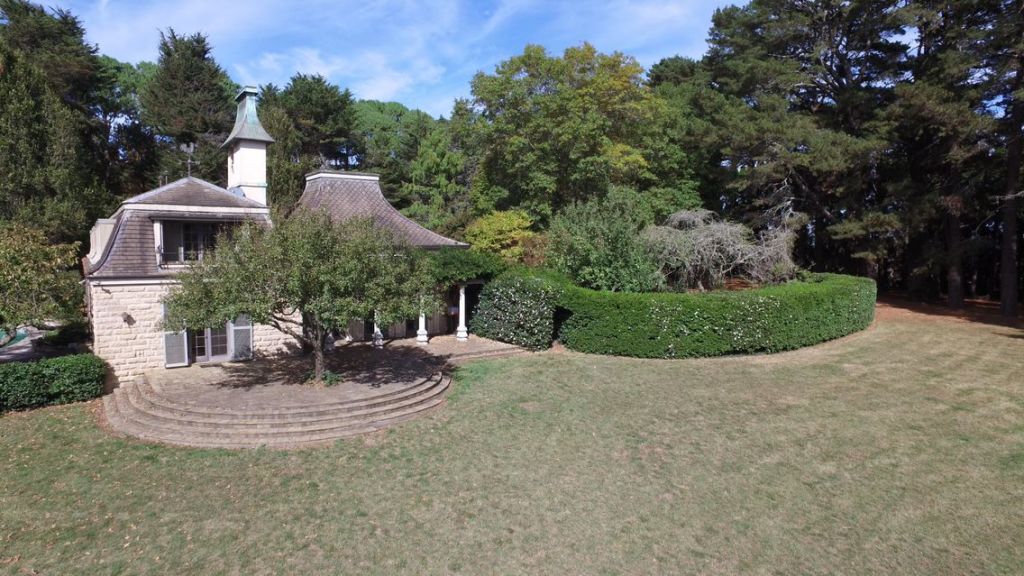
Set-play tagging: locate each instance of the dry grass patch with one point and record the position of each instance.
(896, 450)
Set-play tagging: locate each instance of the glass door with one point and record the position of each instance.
(210, 345)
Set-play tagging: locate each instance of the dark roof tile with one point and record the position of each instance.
(131, 250)
(346, 195)
(191, 191)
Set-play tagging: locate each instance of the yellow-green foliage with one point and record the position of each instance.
(502, 233)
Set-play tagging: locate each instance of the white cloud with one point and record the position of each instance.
(422, 53)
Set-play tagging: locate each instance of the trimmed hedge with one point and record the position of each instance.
(518, 307)
(674, 325)
(51, 381)
(451, 265)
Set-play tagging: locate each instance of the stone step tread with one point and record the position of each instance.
(165, 431)
(190, 439)
(195, 441)
(170, 408)
(155, 396)
(138, 407)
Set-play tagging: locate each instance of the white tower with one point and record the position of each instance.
(247, 149)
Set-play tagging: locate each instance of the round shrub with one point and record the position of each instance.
(518, 308)
(665, 325)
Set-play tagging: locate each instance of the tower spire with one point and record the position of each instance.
(247, 149)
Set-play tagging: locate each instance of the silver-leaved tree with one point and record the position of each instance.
(307, 277)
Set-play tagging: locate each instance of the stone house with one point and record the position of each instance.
(135, 255)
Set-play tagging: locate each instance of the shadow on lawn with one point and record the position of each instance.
(980, 311)
(357, 363)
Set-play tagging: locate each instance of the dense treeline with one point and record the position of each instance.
(887, 130)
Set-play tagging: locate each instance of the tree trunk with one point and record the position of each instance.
(954, 260)
(1008, 289)
(318, 363)
(317, 335)
(1008, 262)
(819, 244)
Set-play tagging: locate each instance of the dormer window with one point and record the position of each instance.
(185, 242)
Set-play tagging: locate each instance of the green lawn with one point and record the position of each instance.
(896, 450)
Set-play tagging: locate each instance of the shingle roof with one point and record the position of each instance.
(131, 250)
(346, 195)
(191, 191)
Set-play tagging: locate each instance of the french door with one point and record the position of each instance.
(231, 341)
(211, 344)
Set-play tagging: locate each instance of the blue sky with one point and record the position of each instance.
(422, 54)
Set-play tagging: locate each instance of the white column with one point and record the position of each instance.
(421, 332)
(378, 337)
(461, 333)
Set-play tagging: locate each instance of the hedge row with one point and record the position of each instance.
(531, 309)
(51, 381)
(771, 319)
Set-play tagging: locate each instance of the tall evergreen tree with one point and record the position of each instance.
(188, 102)
(389, 137)
(323, 115)
(50, 157)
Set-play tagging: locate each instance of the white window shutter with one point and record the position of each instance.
(175, 348)
(241, 337)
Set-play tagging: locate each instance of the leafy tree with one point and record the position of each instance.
(502, 232)
(307, 277)
(937, 133)
(561, 129)
(38, 282)
(597, 243)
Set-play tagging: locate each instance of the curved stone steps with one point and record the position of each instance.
(193, 441)
(291, 422)
(130, 410)
(159, 397)
(188, 436)
(148, 399)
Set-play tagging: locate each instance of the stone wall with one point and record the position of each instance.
(269, 341)
(127, 334)
(126, 327)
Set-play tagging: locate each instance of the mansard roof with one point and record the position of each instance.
(130, 251)
(346, 195)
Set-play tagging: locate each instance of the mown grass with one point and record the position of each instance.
(896, 450)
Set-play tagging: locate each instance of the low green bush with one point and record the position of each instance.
(673, 325)
(518, 307)
(51, 381)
